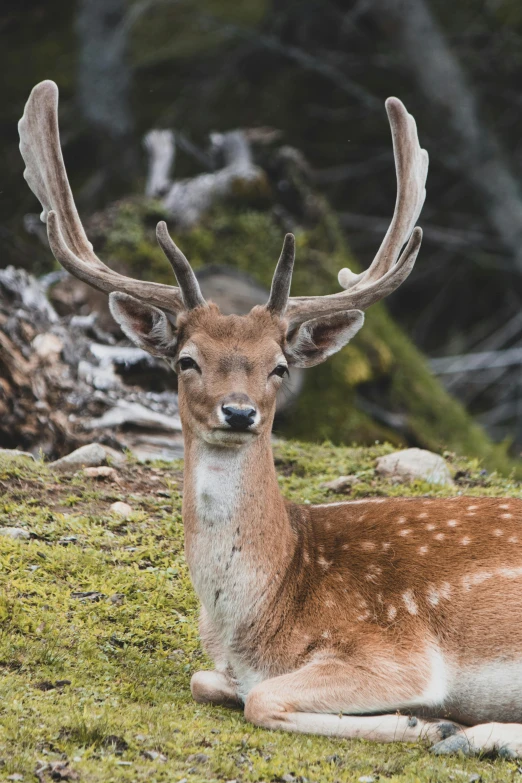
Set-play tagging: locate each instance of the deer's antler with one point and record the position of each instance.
(46, 176)
(389, 268)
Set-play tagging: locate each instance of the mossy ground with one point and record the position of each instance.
(128, 650)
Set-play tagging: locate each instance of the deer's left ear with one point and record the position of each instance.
(147, 326)
(316, 340)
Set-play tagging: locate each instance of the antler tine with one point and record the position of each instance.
(188, 283)
(46, 176)
(280, 290)
(386, 273)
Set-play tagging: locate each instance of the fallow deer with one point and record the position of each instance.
(388, 619)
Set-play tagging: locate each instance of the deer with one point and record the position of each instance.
(380, 618)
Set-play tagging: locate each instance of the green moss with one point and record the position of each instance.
(129, 653)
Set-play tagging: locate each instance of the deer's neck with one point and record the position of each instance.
(238, 537)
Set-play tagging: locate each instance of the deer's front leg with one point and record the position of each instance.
(213, 687)
(312, 699)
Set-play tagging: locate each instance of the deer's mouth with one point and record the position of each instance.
(227, 436)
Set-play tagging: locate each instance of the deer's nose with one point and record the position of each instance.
(238, 418)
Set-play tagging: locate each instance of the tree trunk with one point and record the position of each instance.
(470, 146)
(104, 87)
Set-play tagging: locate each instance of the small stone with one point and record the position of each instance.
(88, 595)
(288, 778)
(198, 758)
(15, 776)
(16, 454)
(17, 533)
(475, 778)
(102, 472)
(117, 599)
(121, 509)
(154, 755)
(341, 484)
(411, 464)
(45, 685)
(90, 456)
(334, 759)
(47, 345)
(66, 540)
(367, 779)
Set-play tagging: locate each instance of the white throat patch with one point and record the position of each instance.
(218, 476)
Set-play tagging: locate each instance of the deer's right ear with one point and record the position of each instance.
(147, 326)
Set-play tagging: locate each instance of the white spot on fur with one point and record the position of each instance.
(513, 539)
(409, 602)
(423, 515)
(504, 505)
(445, 590)
(367, 545)
(452, 523)
(506, 516)
(351, 502)
(422, 550)
(401, 520)
(510, 573)
(431, 527)
(440, 536)
(472, 508)
(465, 541)
(391, 613)
(326, 634)
(386, 546)
(325, 564)
(498, 533)
(433, 596)
(404, 532)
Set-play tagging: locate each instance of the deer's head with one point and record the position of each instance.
(229, 367)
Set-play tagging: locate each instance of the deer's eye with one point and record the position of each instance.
(186, 363)
(281, 370)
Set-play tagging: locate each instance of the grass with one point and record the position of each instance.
(98, 636)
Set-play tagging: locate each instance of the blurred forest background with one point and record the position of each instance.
(305, 81)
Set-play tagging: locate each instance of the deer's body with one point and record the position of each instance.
(385, 619)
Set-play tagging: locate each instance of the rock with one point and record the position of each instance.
(90, 456)
(15, 454)
(341, 484)
(413, 464)
(154, 755)
(121, 509)
(48, 346)
(198, 758)
(115, 457)
(88, 595)
(15, 532)
(367, 779)
(102, 472)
